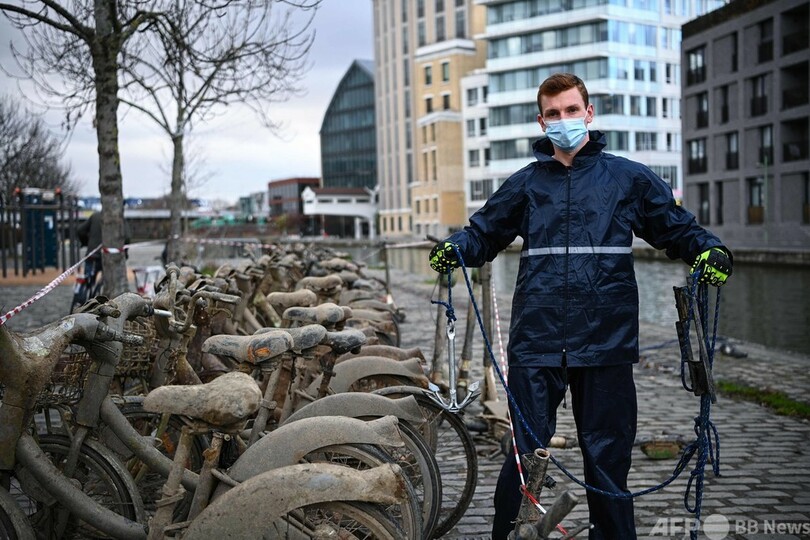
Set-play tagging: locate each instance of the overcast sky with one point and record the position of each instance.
(241, 156)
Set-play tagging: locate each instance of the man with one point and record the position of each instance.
(575, 306)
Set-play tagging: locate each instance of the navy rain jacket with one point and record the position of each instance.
(576, 299)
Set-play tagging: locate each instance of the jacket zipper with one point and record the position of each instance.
(565, 287)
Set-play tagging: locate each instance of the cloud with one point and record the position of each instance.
(241, 155)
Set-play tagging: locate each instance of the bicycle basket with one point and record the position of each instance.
(136, 360)
(67, 379)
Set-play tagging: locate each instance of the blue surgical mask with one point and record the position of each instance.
(566, 134)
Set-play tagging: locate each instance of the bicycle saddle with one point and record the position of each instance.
(254, 349)
(345, 340)
(336, 264)
(327, 314)
(324, 283)
(283, 300)
(304, 337)
(226, 400)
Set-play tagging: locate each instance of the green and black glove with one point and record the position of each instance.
(443, 257)
(714, 266)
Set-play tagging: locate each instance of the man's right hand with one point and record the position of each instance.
(443, 257)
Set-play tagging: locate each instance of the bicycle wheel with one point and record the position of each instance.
(455, 453)
(362, 457)
(99, 475)
(420, 467)
(151, 482)
(13, 522)
(337, 519)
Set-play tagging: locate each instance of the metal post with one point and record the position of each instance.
(490, 392)
(436, 371)
(62, 230)
(23, 228)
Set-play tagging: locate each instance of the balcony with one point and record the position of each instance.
(697, 165)
(756, 215)
(759, 105)
(702, 119)
(765, 155)
(795, 151)
(695, 76)
(732, 161)
(793, 42)
(765, 51)
(723, 114)
(794, 98)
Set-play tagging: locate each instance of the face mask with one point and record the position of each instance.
(566, 134)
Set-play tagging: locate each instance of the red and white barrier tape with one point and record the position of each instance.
(47, 288)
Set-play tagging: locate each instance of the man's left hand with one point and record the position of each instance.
(714, 266)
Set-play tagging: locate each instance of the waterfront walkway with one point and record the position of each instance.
(765, 465)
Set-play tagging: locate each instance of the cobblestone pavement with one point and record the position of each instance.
(765, 468)
(764, 460)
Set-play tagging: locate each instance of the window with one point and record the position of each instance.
(638, 70)
(608, 104)
(646, 141)
(759, 99)
(486, 157)
(697, 156)
(441, 34)
(766, 145)
(672, 74)
(756, 200)
(474, 158)
(445, 71)
(732, 151)
(697, 66)
(428, 75)
(651, 107)
(420, 8)
(702, 110)
(472, 96)
(461, 22)
(724, 108)
(617, 140)
(635, 105)
(765, 46)
(482, 126)
(703, 203)
(480, 190)
(439, 6)
(446, 102)
(434, 176)
(428, 105)
(470, 128)
(421, 36)
(718, 203)
(418, 206)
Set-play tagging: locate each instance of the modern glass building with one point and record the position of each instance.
(348, 132)
(626, 51)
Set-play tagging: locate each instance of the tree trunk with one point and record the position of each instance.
(177, 200)
(105, 64)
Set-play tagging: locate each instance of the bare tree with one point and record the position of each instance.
(30, 155)
(83, 44)
(203, 58)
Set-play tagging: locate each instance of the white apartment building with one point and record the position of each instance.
(627, 52)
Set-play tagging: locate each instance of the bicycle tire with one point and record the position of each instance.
(151, 483)
(337, 519)
(13, 521)
(420, 466)
(100, 475)
(362, 457)
(454, 447)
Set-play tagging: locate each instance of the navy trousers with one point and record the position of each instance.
(605, 410)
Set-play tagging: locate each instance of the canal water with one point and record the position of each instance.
(764, 304)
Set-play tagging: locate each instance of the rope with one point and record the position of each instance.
(701, 446)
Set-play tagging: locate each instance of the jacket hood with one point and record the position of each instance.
(544, 150)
